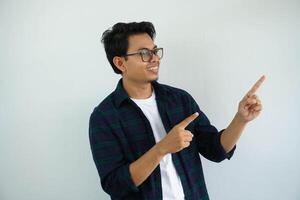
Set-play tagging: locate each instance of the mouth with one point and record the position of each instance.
(153, 69)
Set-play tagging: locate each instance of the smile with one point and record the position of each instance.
(153, 68)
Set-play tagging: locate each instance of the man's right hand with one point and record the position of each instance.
(178, 138)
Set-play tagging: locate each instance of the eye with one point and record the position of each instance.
(145, 52)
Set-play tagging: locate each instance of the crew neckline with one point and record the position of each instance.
(149, 99)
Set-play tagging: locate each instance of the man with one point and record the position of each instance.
(145, 136)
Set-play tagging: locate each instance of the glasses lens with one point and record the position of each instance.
(159, 52)
(146, 55)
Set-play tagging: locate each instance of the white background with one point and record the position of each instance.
(53, 72)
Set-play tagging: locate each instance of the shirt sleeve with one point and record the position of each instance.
(109, 158)
(208, 138)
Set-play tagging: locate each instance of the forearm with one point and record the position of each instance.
(145, 165)
(232, 133)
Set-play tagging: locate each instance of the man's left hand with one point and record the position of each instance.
(250, 106)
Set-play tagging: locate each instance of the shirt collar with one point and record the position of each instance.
(121, 95)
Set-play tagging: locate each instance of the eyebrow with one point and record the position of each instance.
(147, 48)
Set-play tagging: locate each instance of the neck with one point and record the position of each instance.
(137, 90)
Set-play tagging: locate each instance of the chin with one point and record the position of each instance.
(150, 80)
(154, 79)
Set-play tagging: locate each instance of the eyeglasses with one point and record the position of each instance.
(147, 54)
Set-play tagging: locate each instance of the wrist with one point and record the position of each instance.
(240, 119)
(160, 150)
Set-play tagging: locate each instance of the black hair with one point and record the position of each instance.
(115, 39)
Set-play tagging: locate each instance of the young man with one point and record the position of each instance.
(145, 136)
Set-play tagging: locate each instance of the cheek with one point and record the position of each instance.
(136, 68)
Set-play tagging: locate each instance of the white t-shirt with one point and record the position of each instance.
(171, 184)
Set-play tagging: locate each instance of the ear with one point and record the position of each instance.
(119, 63)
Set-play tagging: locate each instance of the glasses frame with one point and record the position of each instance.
(152, 52)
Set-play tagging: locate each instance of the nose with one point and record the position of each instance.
(155, 58)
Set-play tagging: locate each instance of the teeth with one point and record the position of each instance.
(153, 68)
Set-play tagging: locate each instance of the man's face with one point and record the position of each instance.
(136, 69)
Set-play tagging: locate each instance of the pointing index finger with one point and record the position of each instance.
(256, 86)
(183, 124)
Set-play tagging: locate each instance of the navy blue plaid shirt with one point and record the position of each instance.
(120, 133)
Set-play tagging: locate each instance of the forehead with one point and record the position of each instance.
(139, 41)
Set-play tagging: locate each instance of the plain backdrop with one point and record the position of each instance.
(53, 72)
